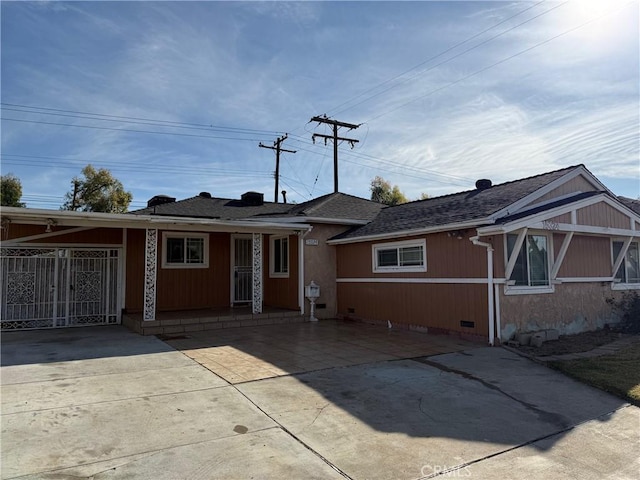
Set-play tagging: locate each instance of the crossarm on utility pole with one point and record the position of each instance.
(277, 147)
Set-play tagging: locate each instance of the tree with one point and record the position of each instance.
(98, 191)
(10, 191)
(424, 196)
(383, 192)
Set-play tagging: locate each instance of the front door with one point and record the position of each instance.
(242, 269)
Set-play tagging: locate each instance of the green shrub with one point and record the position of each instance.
(629, 309)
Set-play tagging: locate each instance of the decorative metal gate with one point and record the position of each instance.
(242, 270)
(58, 287)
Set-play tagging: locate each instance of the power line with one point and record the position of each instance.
(484, 69)
(122, 117)
(439, 55)
(129, 130)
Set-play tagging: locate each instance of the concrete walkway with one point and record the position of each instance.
(104, 403)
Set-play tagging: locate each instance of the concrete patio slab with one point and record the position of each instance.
(409, 419)
(105, 403)
(247, 354)
(604, 448)
(254, 455)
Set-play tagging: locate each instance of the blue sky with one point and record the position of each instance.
(445, 92)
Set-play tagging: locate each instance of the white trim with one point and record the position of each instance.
(625, 286)
(520, 204)
(63, 245)
(584, 279)
(16, 241)
(521, 290)
(301, 273)
(626, 243)
(561, 254)
(128, 220)
(461, 281)
(511, 289)
(496, 293)
(123, 275)
(398, 245)
(410, 233)
(537, 220)
(272, 258)
(185, 236)
(511, 261)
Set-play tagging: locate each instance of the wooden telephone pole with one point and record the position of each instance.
(278, 149)
(335, 124)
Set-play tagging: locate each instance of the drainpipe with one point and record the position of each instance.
(475, 240)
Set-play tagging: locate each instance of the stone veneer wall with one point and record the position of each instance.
(572, 308)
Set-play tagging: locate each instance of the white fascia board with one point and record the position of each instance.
(532, 220)
(517, 206)
(410, 233)
(331, 221)
(126, 220)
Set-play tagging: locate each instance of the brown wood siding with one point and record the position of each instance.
(437, 306)
(578, 184)
(447, 257)
(193, 288)
(179, 288)
(588, 256)
(134, 295)
(602, 215)
(564, 218)
(281, 292)
(103, 236)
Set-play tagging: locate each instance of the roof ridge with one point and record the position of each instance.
(493, 186)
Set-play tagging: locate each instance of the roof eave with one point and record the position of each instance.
(412, 232)
(123, 220)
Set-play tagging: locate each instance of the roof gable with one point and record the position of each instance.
(474, 207)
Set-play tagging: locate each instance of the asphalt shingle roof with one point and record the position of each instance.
(331, 206)
(455, 208)
(631, 203)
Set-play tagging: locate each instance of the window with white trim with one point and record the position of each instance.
(185, 250)
(408, 256)
(279, 257)
(629, 271)
(532, 264)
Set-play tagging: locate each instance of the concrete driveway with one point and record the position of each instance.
(103, 403)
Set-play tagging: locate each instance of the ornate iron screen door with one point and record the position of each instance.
(242, 270)
(58, 287)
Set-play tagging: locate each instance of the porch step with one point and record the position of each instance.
(195, 324)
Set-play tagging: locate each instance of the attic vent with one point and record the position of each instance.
(204, 195)
(483, 184)
(160, 200)
(253, 199)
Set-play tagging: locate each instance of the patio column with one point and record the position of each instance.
(257, 273)
(150, 273)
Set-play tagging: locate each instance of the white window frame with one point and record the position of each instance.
(510, 287)
(622, 285)
(422, 243)
(184, 236)
(272, 256)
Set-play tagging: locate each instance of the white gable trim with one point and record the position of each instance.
(537, 221)
(519, 205)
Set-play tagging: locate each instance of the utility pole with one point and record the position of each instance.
(335, 124)
(278, 149)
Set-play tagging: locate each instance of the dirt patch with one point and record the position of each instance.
(581, 342)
